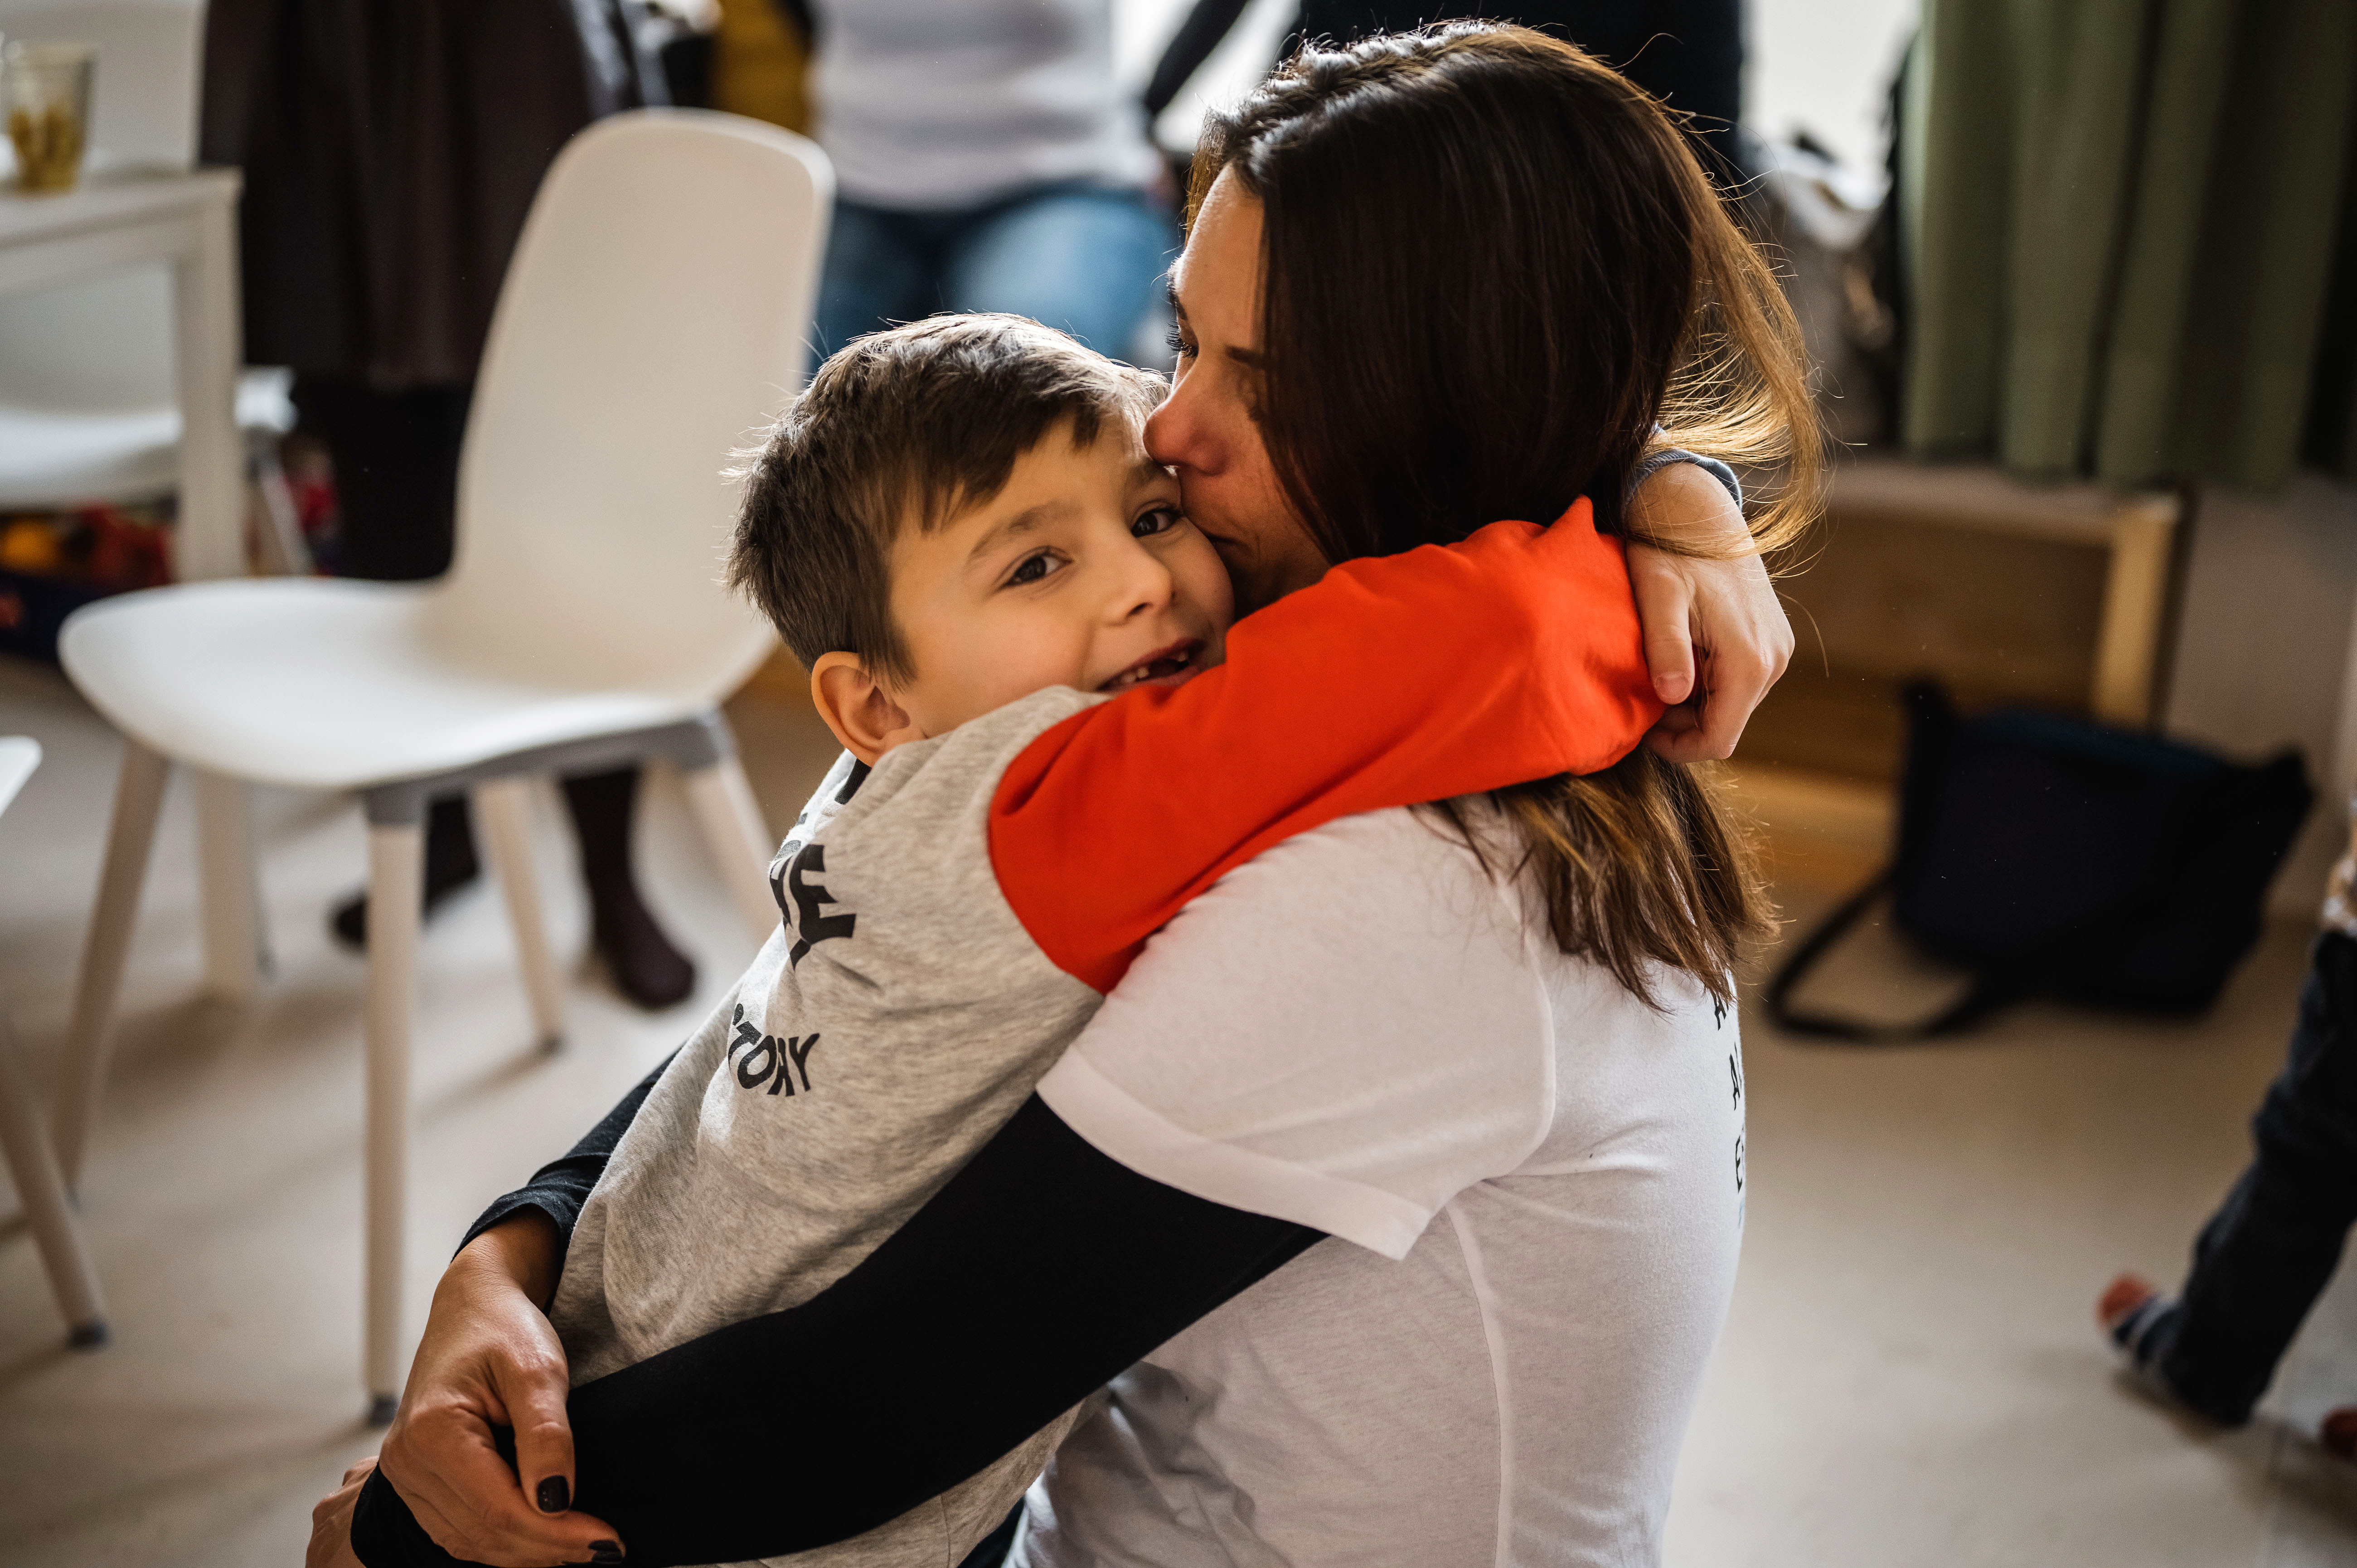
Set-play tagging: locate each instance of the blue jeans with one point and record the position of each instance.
(1082, 259)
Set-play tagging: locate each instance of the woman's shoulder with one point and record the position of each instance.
(1449, 871)
(1343, 1031)
(1430, 872)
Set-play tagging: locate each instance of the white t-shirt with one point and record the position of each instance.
(943, 104)
(1534, 1186)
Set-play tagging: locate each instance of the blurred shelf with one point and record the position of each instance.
(2007, 592)
(2132, 533)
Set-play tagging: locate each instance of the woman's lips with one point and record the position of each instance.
(1169, 666)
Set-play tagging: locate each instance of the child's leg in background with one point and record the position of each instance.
(2263, 1258)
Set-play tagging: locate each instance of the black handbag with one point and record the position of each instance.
(2053, 856)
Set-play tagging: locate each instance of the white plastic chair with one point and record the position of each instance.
(88, 408)
(655, 311)
(24, 1140)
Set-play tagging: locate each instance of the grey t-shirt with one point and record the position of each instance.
(896, 1021)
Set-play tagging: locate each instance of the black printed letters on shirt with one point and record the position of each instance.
(810, 928)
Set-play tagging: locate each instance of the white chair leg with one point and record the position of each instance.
(90, 1038)
(740, 840)
(236, 948)
(25, 1142)
(503, 816)
(396, 869)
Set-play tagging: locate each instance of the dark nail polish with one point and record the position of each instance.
(554, 1496)
(605, 1551)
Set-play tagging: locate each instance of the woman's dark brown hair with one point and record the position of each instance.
(1492, 268)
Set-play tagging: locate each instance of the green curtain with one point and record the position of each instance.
(2126, 237)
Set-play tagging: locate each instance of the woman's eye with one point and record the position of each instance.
(1033, 569)
(1160, 520)
(1180, 343)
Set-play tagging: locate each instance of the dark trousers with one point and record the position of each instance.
(396, 458)
(2263, 1258)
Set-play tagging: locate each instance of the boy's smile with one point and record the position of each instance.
(1171, 666)
(1082, 571)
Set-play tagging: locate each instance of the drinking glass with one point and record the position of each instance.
(47, 90)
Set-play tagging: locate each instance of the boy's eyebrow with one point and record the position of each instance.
(1023, 521)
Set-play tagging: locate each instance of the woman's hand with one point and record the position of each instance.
(490, 1358)
(331, 1522)
(1716, 636)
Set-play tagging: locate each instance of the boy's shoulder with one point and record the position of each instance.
(944, 776)
(906, 841)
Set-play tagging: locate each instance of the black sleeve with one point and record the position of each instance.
(560, 1187)
(1041, 1271)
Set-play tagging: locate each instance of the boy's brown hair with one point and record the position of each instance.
(904, 426)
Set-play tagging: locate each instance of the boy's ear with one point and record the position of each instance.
(858, 709)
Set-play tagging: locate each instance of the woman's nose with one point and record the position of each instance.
(1177, 434)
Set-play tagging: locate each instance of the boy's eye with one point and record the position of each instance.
(1157, 520)
(1032, 569)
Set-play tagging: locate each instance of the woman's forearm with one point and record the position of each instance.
(558, 1189)
(526, 1247)
(1041, 1269)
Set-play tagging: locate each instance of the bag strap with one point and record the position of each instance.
(1988, 993)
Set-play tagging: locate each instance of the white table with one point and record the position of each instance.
(130, 217)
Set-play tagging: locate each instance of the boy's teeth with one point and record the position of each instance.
(1142, 673)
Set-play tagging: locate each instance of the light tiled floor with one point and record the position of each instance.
(1909, 1377)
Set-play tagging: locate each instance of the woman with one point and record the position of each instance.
(1429, 1123)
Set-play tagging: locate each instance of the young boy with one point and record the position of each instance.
(958, 529)
(960, 594)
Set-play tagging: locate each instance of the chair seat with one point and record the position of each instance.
(62, 457)
(337, 685)
(53, 460)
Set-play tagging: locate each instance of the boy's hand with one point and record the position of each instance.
(490, 1358)
(1716, 636)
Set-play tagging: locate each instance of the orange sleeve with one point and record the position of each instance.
(1511, 655)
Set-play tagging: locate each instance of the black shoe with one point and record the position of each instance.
(645, 966)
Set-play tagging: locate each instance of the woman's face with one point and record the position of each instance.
(1209, 429)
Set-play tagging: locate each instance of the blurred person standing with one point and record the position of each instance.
(986, 158)
(391, 150)
(1686, 53)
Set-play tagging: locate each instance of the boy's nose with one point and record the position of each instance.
(1145, 584)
